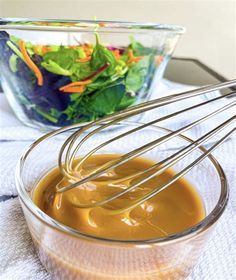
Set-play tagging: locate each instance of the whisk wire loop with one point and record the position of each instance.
(176, 177)
(132, 111)
(137, 152)
(164, 165)
(73, 144)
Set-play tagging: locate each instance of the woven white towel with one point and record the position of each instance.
(18, 260)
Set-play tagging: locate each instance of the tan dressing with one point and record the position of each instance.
(173, 210)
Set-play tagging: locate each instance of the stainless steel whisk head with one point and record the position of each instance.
(72, 145)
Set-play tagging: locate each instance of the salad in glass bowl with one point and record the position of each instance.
(57, 73)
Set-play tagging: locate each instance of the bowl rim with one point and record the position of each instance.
(195, 230)
(79, 25)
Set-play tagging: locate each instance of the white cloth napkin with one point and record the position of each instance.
(18, 260)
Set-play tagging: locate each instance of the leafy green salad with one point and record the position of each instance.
(62, 85)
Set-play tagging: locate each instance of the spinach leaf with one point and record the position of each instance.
(101, 82)
(106, 100)
(74, 110)
(137, 74)
(102, 55)
(139, 49)
(90, 107)
(79, 112)
(71, 112)
(126, 101)
(75, 96)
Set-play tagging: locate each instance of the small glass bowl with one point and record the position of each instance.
(69, 254)
(135, 58)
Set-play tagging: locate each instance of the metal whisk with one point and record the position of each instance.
(72, 146)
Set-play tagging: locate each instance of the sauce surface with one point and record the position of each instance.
(177, 208)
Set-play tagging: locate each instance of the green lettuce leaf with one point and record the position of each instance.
(137, 74)
(13, 63)
(64, 57)
(53, 67)
(63, 62)
(81, 71)
(100, 56)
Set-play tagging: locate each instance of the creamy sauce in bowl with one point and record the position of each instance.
(176, 209)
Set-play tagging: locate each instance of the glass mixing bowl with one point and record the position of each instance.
(69, 254)
(114, 65)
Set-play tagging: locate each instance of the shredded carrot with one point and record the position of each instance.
(87, 51)
(130, 54)
(84, 59)
(39, 49)
(159, 59)
(116, 53)
(30, 63)
(88, 45)
(73, 46)
(46, 49)
(74, 89)
(102, 24)
(79, 83)
(133, 58)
